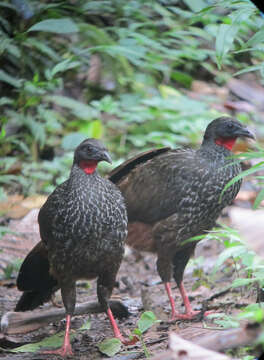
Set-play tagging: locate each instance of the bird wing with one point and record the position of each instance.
(125, 168)
(154, 184)
(50, 217)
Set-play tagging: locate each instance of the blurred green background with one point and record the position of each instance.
(129, 72)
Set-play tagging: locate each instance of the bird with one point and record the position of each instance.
(83, 226)
(173, 195)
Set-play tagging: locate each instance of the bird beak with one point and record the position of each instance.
(243, 132)
(106, 157)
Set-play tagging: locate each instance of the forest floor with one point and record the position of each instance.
(138, 287)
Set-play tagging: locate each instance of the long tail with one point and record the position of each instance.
(30, 300)
(34, 280)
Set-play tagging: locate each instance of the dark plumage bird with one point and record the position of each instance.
(173, 195)
(83, 226)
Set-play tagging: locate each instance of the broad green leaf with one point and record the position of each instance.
(196, 5)
(182, 78)
(147, 319)
(78, 108)
(58, 26)
(6, 100)
(54, 341)
(168, 91)
(253, 312)
(11, 80)
(242, 282)
(257, 38)
(110, 347)
(230, 252)
(72, 140)
(224, 41)
(63, 66)
(37, 129)
(92, 129)
(44, 48)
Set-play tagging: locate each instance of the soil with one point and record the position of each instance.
(138, 287)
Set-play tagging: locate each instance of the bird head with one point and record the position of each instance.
(89, 153)
(224, 131)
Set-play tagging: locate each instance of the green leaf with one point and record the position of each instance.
(250, 68)
(230, 252)
(6, 100)
(78, 108)
(72, 140)
(252, 170)
(224, 41)
(54, 341)
(257, 38)
(63, 66)
(85, 326)
(92, 129)
(11, 80)
(110, 347)
(242, 282)
(182, 78)
(43, 48)
(196, 5)
(253, 312)
(147, 319)
(137, 332)
(58, 26)
(259, 199)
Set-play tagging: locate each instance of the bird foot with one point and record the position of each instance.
(190, 315)
(127, 342)
(64, 351)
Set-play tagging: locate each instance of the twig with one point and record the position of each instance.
(23, 322)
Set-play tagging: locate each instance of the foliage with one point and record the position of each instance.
(249, 275)
(102, 68)
(147, 319)
(255, 169)
(52, 342)
(110, 347)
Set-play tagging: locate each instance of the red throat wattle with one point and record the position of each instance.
(228, 143)
(88, 166)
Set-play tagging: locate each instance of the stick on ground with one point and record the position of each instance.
(23, 322)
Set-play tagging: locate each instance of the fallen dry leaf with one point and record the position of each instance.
(16, 206)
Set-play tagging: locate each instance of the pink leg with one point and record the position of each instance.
(172, 302)
(117, 332)
(189, 312)
(66, 348)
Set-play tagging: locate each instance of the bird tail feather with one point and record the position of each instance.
(35, 280)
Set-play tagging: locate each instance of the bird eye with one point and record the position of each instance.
(230, 125)
(88, 148)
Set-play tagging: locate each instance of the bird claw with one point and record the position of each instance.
(127, 342)
(192, 315)
(64, 351)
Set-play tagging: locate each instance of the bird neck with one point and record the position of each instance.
(227, 143)
(88, 166)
